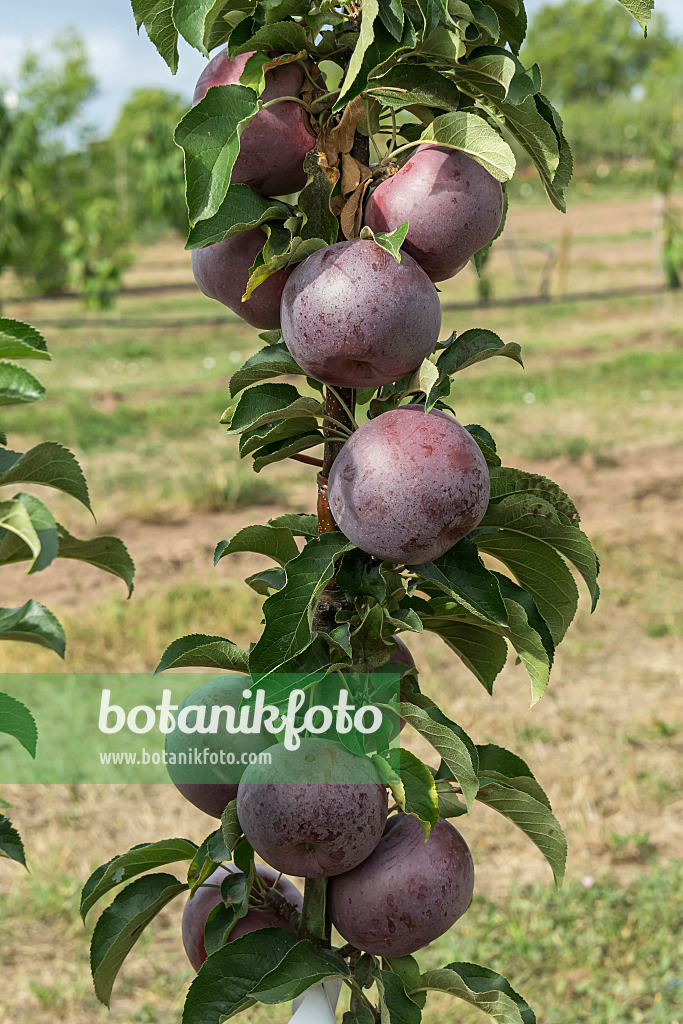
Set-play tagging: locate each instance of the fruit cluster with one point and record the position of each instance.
(389, 893)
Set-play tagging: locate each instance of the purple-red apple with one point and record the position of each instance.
(353, 317)
(274, 143)
(452, 204)
(208, 896)
(407, 893)
(222, 272)
(324, 817)
(407, 485)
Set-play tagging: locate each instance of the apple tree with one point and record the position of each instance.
(340, 158)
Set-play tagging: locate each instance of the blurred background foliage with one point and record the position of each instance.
(74, 203)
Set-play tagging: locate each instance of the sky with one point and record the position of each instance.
(122, 61)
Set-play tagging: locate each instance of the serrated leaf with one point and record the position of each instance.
(366, 36)
(474, 136)
(11, 845)
(157, 17)
(231, 829)
(272, 438)
(49, 464)
(536, 136)
(490, 71)
(16, 720)
(271, 361)
(502, 765)
(512, 20)
(200, 651)
(225, 980)
(454, 751)
(145, 857)
(396, 1006)
(265, 403)
(404, 85)
(299, 524)
(33, 623)
(530, 648)
(209, 137)
(106, 553)
(14, 548)
(481, 987)
(534, 818)
(506, 481)
(537, 517)
(484, 653)
(640, 9)
(302, 966)
(280, 450)
(540, 571)
(266, 581)
(392, 17)
(18, 386)
(472, 347)
(461, 574)
(391, 241)
(194, 18)
(419, 787)
(15, 518)
(242, 209)
(273, 541)
(283, 37)
(289, 612)
(314, 202)
(122, 923)
(21, 341)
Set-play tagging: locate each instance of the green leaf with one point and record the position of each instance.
(502, 765)
(314, 203)
(279, 450)
(392, 17)
(481, 987)
(11, 845)
(506, 481)
(289, 612)
(199, 651)
(404, 85)
(391, 241)
(16, 520)
(194, 20)
(302, 966)
(533, 817)
(145, 857)
(640, 9)
(33, 623)
(365, 39)
(226, 979)
(474, 346)
(396, 1006)
(512, 20)
(446, 740)
(107, 553)
(481, 651)
(419, 787)
(300, 524)
(18, 386)
(48, 464)
(536, 517)
(265, 403)
(299, 249)
(273, 541)
(242, 209)
(122, 923)
(540, 571)
(461, 574)
(283, 37)
(157, 17)
(274, 438)
(271, 361)
(511, 591)
(536, 136)
(209, 137)
(490, 71)
(16, 720)
(14, 548)
(474, 136)
(21, 341)
(266, 581)
(230, 827)
(530, 648)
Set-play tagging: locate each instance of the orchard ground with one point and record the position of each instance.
(599, 409)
